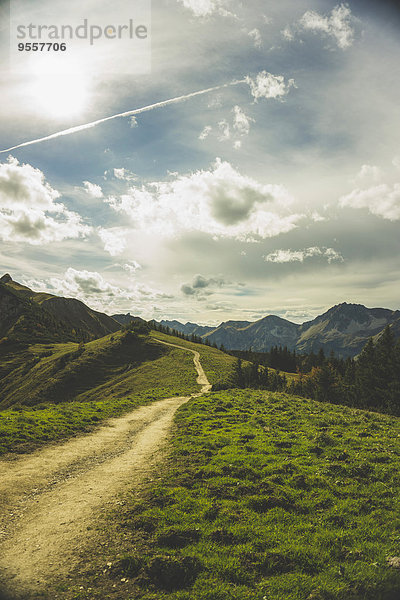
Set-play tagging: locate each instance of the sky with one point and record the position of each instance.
(278, 192)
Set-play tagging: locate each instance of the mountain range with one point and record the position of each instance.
(344, 329)
(27, 316)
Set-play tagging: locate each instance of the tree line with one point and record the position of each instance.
(370, 381)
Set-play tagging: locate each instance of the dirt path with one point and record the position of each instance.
(50, 499)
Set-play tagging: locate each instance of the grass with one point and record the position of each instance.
(217, 365)
(266, 497)
(54, 391)
(61, 372)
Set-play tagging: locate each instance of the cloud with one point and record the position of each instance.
(202, 287)
(255, 34)
(114, 239)
(241, 121)
(337, 25)
(381, 200)
(225, 130)
(28, 208)
(93, 190)
(266, 85)
(239, 126)
(119, 173)
(219, 202)
(132, 267)
(205, 133)
(287, 34)
(289, 256)
(124, 174)
(93, 289)
(369, 172)
(206, 8)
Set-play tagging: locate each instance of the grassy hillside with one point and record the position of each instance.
(266, 496)
(217, 365)
(60, 372)
(54, 390)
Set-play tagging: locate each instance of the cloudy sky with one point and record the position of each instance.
(278, 193)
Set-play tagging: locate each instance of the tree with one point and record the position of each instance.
(365, 377)
(238, 374)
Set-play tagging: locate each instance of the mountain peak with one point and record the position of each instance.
(6, 278)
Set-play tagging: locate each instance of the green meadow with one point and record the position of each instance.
(267, 497)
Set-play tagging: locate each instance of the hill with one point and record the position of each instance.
(27, 316)
(51, 391)
(113, 366)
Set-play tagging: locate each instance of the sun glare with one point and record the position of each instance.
(58, 94)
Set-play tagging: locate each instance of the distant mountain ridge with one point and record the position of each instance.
(343, 329)
(30, 317)
(27, 316)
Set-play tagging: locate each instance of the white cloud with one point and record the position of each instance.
(93, 190)
(225, 130)
(93, 289)
(241, 121)
(205, 8)
(255, 35)
(239, 126)
(287, 34)
(205, 133)
(337, 25)
(288, 256)
(369, 173)
(220, 202)
(133, 122)
(381, 200)
(124, 174)
(266, 85)
(119, 173)
(28, 208)
(132, 267)
(114, 239)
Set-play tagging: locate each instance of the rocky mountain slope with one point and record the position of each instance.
(345, 329)
(27, 316)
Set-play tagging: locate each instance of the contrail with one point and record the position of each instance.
(129, 113)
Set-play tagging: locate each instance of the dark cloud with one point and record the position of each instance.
(200, 286)
(233, 208)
